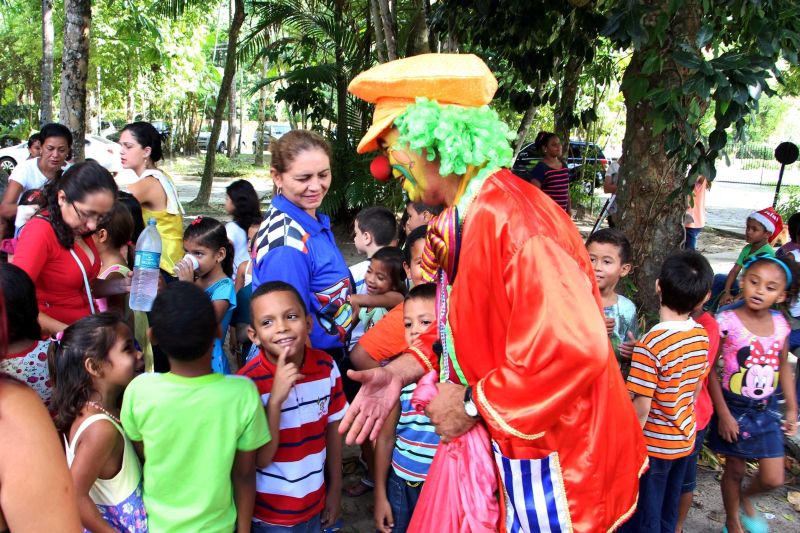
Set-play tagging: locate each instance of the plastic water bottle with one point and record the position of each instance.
(144, 284)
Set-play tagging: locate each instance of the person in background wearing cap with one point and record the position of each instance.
(519, 338)
(762, 228)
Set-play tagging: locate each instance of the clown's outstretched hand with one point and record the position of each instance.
(379, 393)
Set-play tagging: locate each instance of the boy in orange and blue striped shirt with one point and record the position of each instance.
(667, 371)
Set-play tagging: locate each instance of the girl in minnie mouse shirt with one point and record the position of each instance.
(747, 423)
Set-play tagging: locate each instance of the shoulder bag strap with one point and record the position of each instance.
(85, 279)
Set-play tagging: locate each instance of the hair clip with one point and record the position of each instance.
(129, 243)
(56, 337)
(197, 221)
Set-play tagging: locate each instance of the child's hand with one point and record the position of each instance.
(332, 510)
(790, 423)
(626, 348)
(286, 375)
(725, 298)
(184, 270)
(728, 428)
(610, 323)
(384, 521)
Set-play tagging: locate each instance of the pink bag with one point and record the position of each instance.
(459, 492)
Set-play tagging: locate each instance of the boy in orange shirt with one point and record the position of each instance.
(667, 371)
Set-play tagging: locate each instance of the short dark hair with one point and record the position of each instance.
(423, 291)
(54, 129)
(379, 222)
(36, 137)
(148, 137)
(392, 257)
(685, 280)
(418, 233)
(183, 321)
(419, 207)
(616, 238)
(277, 286)
(22, 310)
(794, 227)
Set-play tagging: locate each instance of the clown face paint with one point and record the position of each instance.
(420, 178)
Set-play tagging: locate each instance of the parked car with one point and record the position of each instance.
(267, 138)
(97, 148)
(579, 153)
(13, 155)
(204, 136)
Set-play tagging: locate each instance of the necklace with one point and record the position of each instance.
(104, 411)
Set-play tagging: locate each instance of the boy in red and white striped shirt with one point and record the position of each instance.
(667, 371)
(301, 390)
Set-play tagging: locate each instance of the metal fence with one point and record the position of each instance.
(754, 164)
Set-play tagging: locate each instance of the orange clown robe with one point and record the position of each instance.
(529, 337)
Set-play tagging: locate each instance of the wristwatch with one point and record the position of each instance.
(469, 406)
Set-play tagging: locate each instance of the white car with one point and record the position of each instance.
(101, 150)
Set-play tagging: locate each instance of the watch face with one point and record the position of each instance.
(471, 408)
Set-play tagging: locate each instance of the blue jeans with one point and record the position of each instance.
(403, 499)
(312, 526)
(659, 494)
(719, 285)
(691, 238)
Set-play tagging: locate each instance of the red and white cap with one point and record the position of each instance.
(770, 219)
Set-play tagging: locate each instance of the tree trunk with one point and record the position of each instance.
(204, 193)
(565, 109)
(75, 71)
(131, 96)
(418, 37)
(48, 36)
(649, 218)
(524, 126)
(231, 139)
(231, 150)
(388, 30)
(342, 148)
(377, 24)
(262, 105)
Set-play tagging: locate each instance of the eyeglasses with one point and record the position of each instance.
(84, 217)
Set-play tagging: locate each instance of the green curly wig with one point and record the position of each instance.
(459, 137)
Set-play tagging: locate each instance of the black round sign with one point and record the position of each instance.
(786, 153)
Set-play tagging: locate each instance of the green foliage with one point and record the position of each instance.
(788, 202)
(726, 62)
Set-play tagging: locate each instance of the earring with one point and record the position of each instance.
(280, 191)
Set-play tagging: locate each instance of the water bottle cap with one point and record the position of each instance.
(151, 221)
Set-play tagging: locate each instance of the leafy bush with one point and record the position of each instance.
(788, 202)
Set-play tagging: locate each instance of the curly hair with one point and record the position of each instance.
(459, 136)
(89, 338)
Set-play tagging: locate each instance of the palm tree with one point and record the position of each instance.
(75, 70)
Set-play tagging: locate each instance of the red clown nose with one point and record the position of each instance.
(380, 168)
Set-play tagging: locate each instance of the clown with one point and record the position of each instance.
(520, 342)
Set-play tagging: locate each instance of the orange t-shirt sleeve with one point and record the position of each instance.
(387, 337)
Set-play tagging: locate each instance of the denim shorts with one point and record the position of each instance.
(402, 496)
(760, 433)
(690, 477)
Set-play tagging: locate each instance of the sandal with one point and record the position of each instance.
(361, 487)
(753, 524)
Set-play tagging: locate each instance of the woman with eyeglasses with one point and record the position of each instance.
(56, 249)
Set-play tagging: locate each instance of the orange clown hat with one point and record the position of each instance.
(456, 79)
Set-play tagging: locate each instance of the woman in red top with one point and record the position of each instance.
(55, 247)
